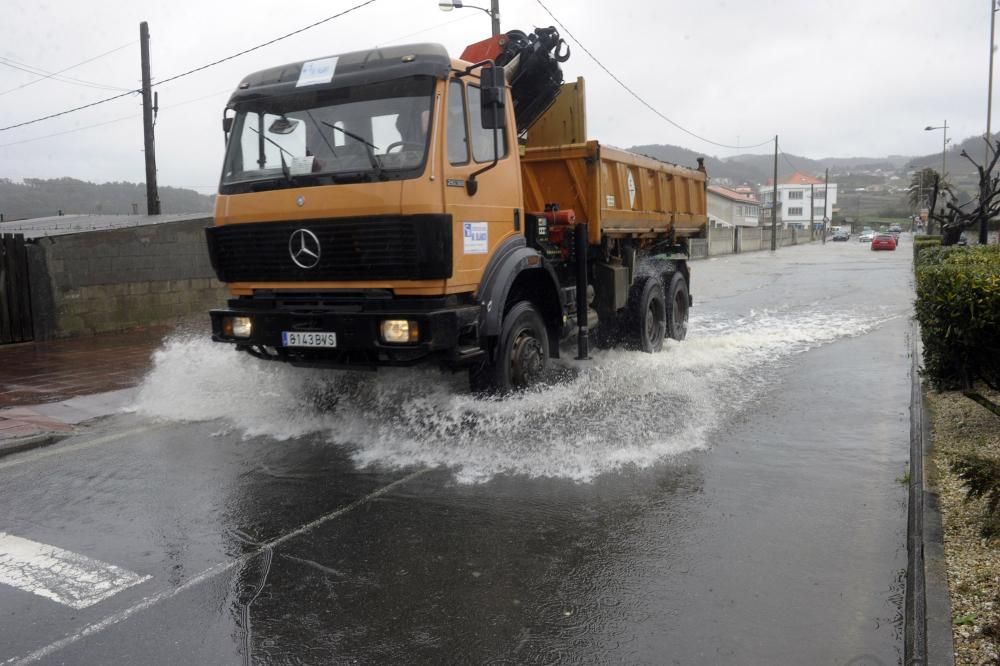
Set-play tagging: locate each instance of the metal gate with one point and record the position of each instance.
(15, 297)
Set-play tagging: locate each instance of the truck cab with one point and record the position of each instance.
(383, 144)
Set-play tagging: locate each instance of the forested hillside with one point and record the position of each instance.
(35, 197)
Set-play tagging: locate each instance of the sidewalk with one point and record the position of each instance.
(48, 387)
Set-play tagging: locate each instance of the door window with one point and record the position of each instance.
(458, 133)
(482, 138)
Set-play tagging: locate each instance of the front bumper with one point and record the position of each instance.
(448, 334)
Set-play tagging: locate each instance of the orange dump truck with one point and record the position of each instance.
(398, 207)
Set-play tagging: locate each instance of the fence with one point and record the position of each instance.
(15, 291)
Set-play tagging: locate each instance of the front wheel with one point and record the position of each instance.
(522, 353)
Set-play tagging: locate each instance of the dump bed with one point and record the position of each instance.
(617, 193)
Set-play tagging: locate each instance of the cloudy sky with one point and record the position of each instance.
(834, 78)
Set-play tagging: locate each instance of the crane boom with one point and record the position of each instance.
(532, 62)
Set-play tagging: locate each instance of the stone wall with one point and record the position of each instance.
(110, 280)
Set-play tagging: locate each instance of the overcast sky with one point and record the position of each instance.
(833, 78)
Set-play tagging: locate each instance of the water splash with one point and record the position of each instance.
(621, 409)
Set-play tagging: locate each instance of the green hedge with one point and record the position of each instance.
(958, 307)
(920, 243)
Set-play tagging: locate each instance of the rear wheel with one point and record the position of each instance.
(677, 307)
(647, 323)
(522, 353)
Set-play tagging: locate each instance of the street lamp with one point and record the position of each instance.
(493, 11)
(944, 152)
(944, 144)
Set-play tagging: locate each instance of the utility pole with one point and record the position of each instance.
(774, 200)
(149, 147)
(826, 201)
(989, 94)
(984, 221)
(812, 214)
(495, 16)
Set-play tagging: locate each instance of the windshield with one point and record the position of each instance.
(372, 132)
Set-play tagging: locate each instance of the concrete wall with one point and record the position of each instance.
(111, 280)
(721, 241)
(748, 239)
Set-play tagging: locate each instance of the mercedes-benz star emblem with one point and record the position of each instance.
(303, 246)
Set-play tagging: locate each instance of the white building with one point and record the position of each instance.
(799, 197)
(732, 207)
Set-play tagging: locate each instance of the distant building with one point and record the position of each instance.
(732, 207)
(795, 203)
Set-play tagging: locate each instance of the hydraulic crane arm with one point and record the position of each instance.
(532, 64)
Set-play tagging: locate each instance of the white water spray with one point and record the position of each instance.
(620, 409)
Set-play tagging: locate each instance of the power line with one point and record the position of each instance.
(636, 95)
(267, 43)
(464, 17)
(74, 109)
(71, 131)
(38, 71)
(109, 122)
(34, 71)
(788, 161)
(196, 69)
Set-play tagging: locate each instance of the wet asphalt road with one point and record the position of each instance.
(776, 537)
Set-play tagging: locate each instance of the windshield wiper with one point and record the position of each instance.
(285, 169)
(370, 148)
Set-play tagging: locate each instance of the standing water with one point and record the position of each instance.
(618, 410)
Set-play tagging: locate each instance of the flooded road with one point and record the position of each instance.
(733, 499)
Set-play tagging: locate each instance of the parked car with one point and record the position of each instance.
(884, 242)
(841, 236)
(867, 236)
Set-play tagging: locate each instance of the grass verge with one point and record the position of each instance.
(960, 428)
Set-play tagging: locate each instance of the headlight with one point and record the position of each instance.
(400, 331)
(237, 327)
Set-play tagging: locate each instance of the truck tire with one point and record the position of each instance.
(647, 314)
(522, 353)
(677, 307)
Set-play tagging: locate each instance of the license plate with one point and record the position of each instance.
(308, 339)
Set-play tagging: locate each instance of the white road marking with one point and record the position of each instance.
(69, 578)
(219, 568)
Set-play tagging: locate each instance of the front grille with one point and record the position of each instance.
(412, 247)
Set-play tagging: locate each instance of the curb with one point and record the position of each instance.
(927, 615)
(22, 444)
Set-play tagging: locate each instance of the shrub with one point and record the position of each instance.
(958, 307)
(920, 244)
(982, 477)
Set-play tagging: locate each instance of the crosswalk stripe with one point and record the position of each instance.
(69, 578)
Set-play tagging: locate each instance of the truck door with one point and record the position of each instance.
(482, 220)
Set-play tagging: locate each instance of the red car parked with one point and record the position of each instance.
(883, 242)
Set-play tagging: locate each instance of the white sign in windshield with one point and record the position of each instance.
(317, 71)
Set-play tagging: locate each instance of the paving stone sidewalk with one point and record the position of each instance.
(47, 387)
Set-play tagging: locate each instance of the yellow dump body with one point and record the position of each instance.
(619, 194)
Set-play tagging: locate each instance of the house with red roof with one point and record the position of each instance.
(801, 199)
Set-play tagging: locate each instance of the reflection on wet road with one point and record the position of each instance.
(730, 500)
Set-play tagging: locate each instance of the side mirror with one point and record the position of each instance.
(493, 81)
(227, 124)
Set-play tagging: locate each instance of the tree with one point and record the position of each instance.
(921, 185)
(954, 219)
